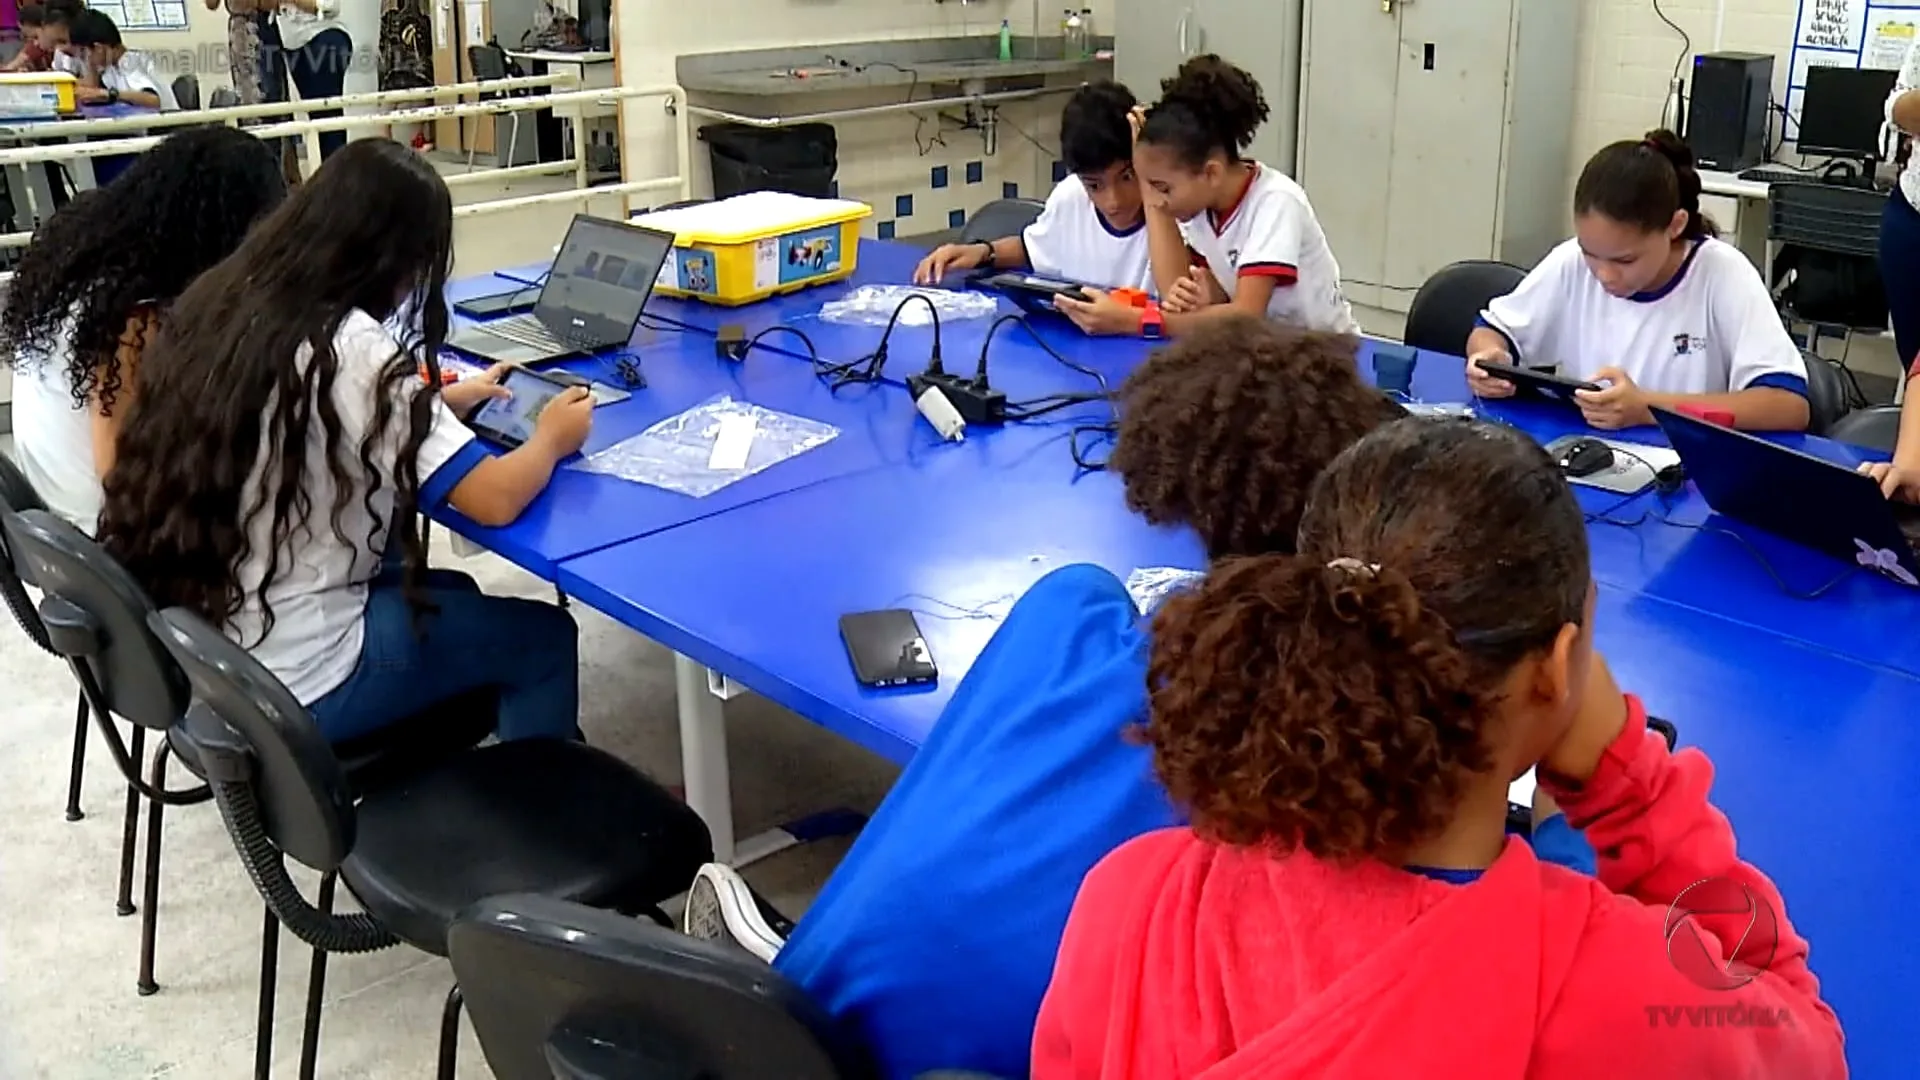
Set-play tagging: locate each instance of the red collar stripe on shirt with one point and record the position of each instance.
(1221, 221)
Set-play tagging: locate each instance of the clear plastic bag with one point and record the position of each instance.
(873, 305)
(709, 446)
(1151, 585)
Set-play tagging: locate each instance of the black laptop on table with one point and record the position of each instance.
(1811, 501)
(591, 300)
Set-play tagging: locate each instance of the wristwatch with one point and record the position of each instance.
(113, 96)
(1153, 324)
(988, 244)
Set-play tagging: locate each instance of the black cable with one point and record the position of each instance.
(1021, 320)
(651, 323)
(1081, 457)
(1038, 407)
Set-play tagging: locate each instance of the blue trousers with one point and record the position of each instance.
(527, 650)
(1900, 271)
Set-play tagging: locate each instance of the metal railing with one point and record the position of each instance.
(568, 102)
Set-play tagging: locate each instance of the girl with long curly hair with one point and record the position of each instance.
(283, 443)
(1342, 725)
(96, 282)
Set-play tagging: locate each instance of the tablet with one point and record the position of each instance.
(509, 421)
(1543, 383)
(1030, 292)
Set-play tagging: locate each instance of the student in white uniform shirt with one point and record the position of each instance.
(1229, 235)
(1093, 229)
(112, 72)
(1646, 301)
(285, 506)
(90, 290)
(305, 40)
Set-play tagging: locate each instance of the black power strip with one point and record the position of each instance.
(971, 397)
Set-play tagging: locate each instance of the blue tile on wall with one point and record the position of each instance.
(1009, 190)
(1059, 171)
(902, 206)
(956, 218)
(975, 172)
(884, 230)
(939, 176)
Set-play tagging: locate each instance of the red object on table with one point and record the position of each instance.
(1131, 297)
(1711, 416)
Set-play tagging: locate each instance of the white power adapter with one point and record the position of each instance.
(941, 414)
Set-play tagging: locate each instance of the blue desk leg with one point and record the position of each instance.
(701, 695)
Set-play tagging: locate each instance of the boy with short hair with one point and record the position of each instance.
(113, 73)
(1093, 228)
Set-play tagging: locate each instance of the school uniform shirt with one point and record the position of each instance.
(298, 27)
(1072, 240)
(1713, 329)
(320, 596)
(135, 70)
(1272, 232)
(53, 438)
(1908, 79)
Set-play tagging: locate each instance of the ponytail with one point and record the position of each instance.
(1208, 107)
(1313, 704)
(1644, 183)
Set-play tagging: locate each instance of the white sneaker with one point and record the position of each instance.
(720, 907)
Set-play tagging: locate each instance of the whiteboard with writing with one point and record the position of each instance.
(1848, 33)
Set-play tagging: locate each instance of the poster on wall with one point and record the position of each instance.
(144, 15)
(1848, 33)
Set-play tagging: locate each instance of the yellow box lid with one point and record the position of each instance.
(753, 216)
(34, 78)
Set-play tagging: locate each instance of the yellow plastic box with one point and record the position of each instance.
(747, 248)
(36, 94)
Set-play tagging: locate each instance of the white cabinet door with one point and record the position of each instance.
(1262, 36)
(1350, 75)
(1449, 131)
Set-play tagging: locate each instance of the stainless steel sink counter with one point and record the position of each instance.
(932, 68)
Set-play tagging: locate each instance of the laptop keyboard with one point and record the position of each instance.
(527, 330)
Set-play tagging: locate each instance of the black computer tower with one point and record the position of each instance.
(1727, 110)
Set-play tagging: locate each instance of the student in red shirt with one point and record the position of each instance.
(1341, 726)
(43, 29)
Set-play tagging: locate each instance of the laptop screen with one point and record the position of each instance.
(601, 280)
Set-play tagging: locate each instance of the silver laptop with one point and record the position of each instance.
(591, 300)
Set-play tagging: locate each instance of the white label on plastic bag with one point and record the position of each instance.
(730, 447)
(766, 263)
(669, 275)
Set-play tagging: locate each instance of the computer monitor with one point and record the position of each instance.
(1841, 111)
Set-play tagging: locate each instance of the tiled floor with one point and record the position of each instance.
(68, 1010)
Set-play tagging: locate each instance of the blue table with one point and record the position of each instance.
(582, 512)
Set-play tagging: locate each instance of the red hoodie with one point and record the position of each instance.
(1188, 959)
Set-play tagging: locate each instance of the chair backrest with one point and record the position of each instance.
(488, 62)
(1826, 217)
(1001, 217)
(555, 989)
(1877, 428)
(1445, 309)
(97, 616)
(223, 97)
(298, 784)
(16, 495)
(1826, 394)
(186, 91)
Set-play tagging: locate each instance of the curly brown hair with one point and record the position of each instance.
(1338, 701)
(1225, 430)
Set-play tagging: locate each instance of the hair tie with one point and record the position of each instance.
(1354, 566)
(1654, 146)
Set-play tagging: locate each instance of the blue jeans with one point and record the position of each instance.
(527, 650)
(1900, 272)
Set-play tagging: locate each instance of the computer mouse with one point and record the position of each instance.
(1586, 457)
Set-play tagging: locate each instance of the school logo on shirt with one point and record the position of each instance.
(1233, 258)
(1689, 344)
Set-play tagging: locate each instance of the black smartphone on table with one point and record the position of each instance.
(496, 304)
(887, 649)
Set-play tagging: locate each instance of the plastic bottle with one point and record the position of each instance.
(1089, 41)
(1073, 46)
(1006, 40)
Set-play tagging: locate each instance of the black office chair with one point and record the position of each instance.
(97, 617)
(16, 495)
(547, 816)
(1876, 428)
(1001, 217)
(186, 91)
(223, 97)
(490, 62)
(560, 990)
(1448, 304)
(1828, 395)
(1826, 274)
